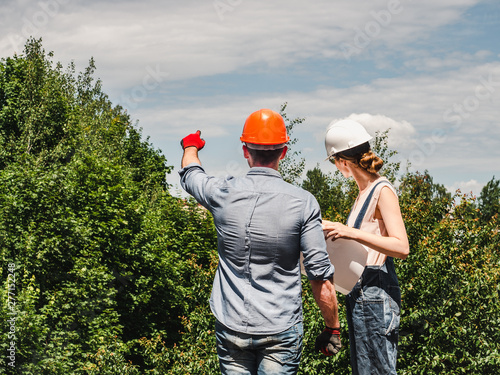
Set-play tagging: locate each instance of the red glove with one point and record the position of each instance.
(193, 140)
(328, 342)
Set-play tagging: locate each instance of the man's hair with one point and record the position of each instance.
(265, 157)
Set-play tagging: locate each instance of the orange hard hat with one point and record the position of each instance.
(265, 127)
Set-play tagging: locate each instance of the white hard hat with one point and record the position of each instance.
(344, 135)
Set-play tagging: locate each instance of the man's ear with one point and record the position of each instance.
(283, 153)
(246, 154)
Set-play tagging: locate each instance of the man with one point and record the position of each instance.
(263, 223)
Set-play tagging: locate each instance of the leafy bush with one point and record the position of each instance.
(103, 254)
(113, 274)
(451, 313)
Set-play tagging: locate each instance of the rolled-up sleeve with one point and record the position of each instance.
(313, 245)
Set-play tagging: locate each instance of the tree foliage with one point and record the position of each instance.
(489, 200)
(103, 254)
(113, 274)
(292, 166)
(451, 314)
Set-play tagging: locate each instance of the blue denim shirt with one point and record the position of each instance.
(262, 224)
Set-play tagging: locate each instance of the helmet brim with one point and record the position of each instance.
(255, 146)
(359, 149)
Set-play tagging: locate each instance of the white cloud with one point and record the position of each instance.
(427, 61)
(190, 39)
(421, 92)
(412, 107)
(401, 133)
(466, 187)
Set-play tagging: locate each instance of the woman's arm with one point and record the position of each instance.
(395, 244)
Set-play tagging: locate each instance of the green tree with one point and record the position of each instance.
(334, 193)
(103, 254)
(113, 274)
(489, 200)
(451, 316)
(319, 184)
(380, 147)
(424, 204)
(292, 166)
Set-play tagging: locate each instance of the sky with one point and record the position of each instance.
(427, 70)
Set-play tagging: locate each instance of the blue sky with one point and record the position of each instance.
(428, 70)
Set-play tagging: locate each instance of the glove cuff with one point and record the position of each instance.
(332, 331)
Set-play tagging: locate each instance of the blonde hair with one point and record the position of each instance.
(365, 160)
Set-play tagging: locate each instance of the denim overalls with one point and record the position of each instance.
(373, 308)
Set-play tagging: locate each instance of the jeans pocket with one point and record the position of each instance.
(286, 347)
(391, 315)
(379, 311)
(230, 346)
(392, 323)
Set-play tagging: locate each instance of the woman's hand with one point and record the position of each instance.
(394, 244)
(337, 230)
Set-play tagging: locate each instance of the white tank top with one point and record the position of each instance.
(370, 223)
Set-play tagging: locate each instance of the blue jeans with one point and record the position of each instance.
(373, 308)
(241, 353)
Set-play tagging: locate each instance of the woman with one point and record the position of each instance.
(375, 221)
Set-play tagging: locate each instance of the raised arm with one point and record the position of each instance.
(189, 156)
(191, 145)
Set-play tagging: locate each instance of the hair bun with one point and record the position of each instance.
(371, 162)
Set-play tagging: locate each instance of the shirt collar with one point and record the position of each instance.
(264, 171)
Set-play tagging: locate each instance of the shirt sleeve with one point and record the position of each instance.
(196, 182)
(313, 245)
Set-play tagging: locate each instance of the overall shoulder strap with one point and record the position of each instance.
(362, 212)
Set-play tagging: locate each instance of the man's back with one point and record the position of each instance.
(262, 224)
